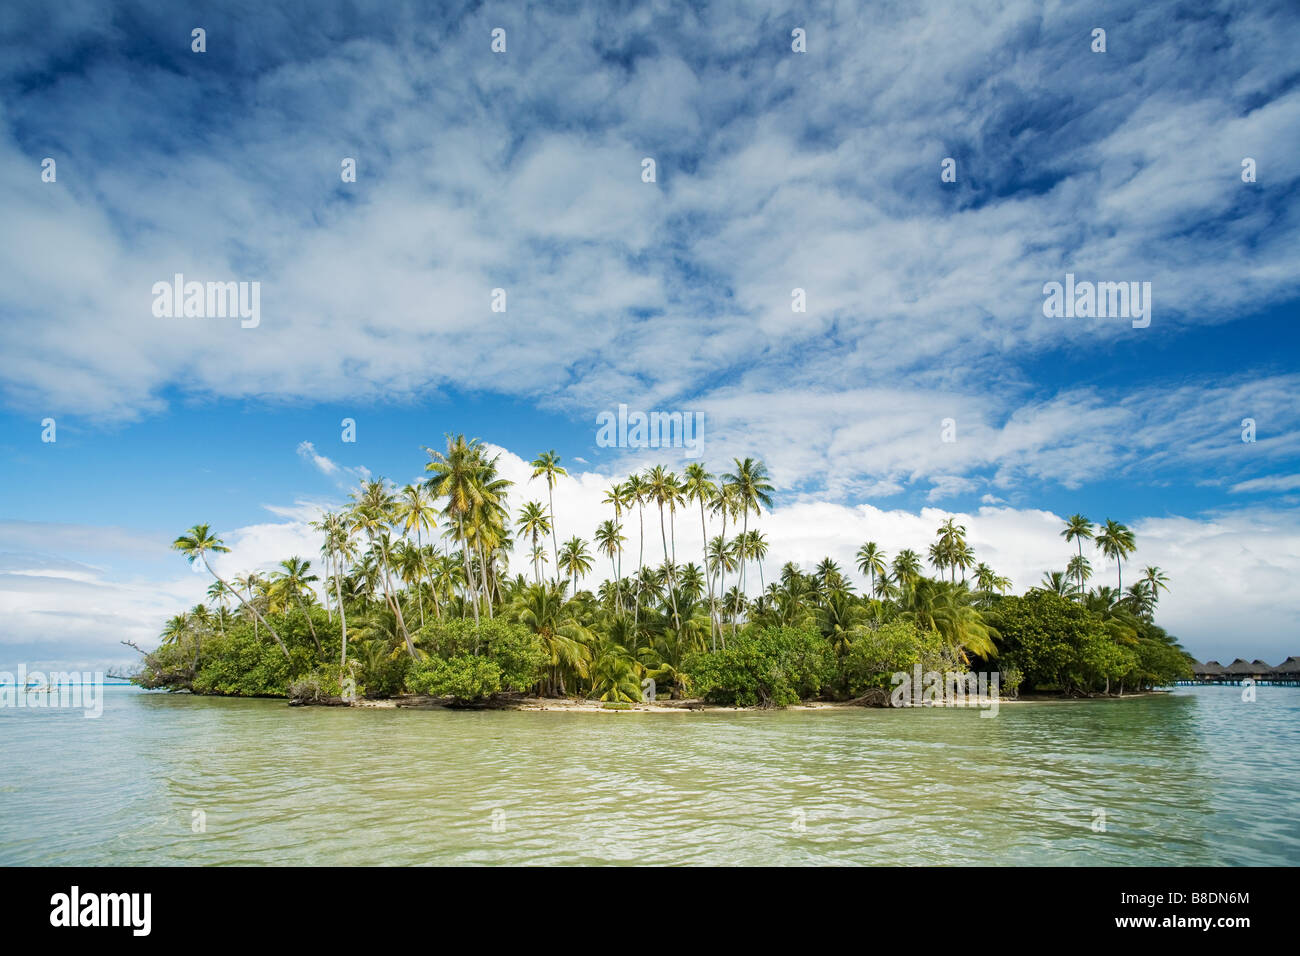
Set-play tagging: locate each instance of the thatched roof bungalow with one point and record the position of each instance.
(1289, 668)
(1240, 668)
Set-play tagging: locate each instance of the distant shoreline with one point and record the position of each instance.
(693, 705)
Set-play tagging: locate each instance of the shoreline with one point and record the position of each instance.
(695, 705)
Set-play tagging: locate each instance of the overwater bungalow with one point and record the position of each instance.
(1261, 672)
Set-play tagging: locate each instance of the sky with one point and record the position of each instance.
(775, 170)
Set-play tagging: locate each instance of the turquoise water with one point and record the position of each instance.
(1193, 777)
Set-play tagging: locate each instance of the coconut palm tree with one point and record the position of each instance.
(196, 544)
(636, 492)
(906, 568)
(533, 521)
(1078, 528)
(548, 464)
(1059, 583)
(338, 549)
(610, 540)
(575, 559)
(871, 561)
(457, 475)
(752, 492)
(1080, 569)
(1116, 541)
(1157, 580)
(294, 577)
(756, 548)
(373, 512)
(565, 641)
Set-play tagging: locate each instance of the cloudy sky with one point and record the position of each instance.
(775, 170)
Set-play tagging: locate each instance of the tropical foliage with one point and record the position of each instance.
(415, 591)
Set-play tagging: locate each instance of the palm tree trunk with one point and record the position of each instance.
(704, 534)
(469, 575)
(741, 592)
(343, 621)
(555, 546)
(314, 639)
(640, 561)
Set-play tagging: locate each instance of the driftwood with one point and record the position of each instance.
(875, 697)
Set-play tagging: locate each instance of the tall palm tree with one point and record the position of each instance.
(533, 521)
(374, 510)
(1116, 541)
(871, 561)
(636, 491)
(196, 544)
(756, 548)
(457, 476)
(700, 487)
(609, 540)
(338, 549)
(752, 492)
(548, 464)
(1078, 528)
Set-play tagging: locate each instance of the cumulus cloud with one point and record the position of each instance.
(776, 171)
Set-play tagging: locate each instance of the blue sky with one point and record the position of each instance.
(775, 171)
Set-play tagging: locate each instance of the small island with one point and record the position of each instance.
(401, 619)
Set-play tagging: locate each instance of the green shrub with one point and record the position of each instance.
(467, 679)
(876, 654)
(240, 664)
(770, 666)
(516, 651)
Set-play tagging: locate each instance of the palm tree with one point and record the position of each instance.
(533, 521)
(756, 548)
(566, 643)
(457, 476)
(576, 559)
(661, 488)
(1080, 569)
(906, 568)
(1157, 580)
(988, 581)
(620, 497)
(1118, 542)
(700, 487)
(1059, 583)
(195, 545)
(609, 540)
(374, 509)
(752, 491)
(294, 577)
(636, 492)
(338, 548)
(548, 464)
(1078, 528)
(871, 561)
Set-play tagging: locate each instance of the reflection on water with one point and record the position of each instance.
(1194, 777)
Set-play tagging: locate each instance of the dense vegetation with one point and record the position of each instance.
(401, 614)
